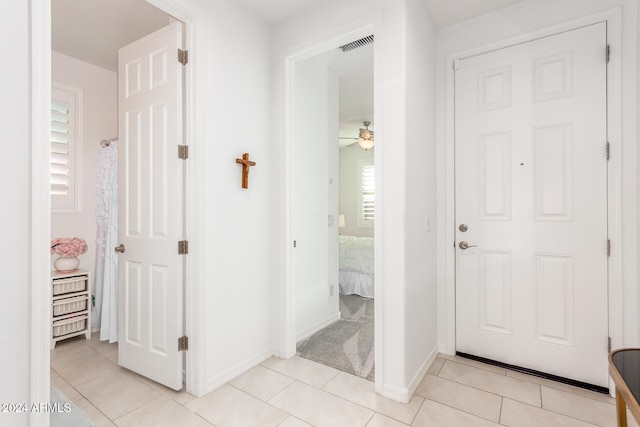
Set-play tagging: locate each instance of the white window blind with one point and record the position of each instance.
(367, 201)
(65, 149)
(59, 148)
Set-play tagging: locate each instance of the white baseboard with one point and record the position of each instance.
(300, 335)
(404, 395)
(236, 370)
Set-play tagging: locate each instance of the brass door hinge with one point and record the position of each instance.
(183, 343)
(183, 247)
(183, 152)
(183, 56)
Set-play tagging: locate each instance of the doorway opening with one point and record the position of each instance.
(333, 206)
(85, 44)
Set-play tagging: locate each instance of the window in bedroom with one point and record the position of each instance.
(66, 167)
(366, 196)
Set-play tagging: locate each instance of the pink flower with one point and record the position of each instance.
(68, 246)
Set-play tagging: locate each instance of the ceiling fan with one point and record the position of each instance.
(365, 138)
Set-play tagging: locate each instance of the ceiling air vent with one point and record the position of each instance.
(356, 44)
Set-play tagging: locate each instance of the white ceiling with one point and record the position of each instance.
(442, 12)
(94, 30)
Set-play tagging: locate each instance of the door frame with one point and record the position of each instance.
(615, 207)
(288, 318)
(40, 35)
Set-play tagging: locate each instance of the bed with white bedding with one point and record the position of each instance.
(356, 266)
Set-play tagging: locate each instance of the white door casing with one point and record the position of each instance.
(531, 185)
(151, 206)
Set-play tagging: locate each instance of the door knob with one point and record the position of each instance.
(120, 248)
(463, 227)
(464, 245)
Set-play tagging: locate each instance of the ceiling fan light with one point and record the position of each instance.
(365, 144)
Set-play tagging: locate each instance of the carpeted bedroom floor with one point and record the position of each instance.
(347, 344)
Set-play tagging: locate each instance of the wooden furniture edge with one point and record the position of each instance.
(622, 390)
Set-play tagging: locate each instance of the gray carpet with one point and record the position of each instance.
(347, 344)
(64, 413)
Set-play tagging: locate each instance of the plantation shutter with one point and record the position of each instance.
(367, 194)
(59, 148)
(65, 165)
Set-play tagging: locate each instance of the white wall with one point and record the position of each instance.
(235, 245)
(518, 20)
(420, 190)
(100, 121)
(314, 163)
(15, 217)
(349, 179)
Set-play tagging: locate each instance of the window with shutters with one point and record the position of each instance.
(66, 167)
(366, 198)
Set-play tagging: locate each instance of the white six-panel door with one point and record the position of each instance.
(531, 188)
(150, 206)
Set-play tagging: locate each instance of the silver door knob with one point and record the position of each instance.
(464, 245)
(120, 248)
(463, 227)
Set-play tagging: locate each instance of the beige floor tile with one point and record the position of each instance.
(162, 412)
(564, 387)
(433, 414)
(435, 367)
(380, 420)
(180, 396)
(67, 347)
(474, 363)
(362, 392)
(58, 382)
(468, 399)
(261, 382)
(304, 370)
(102, 347)
(294, 422)
(98, 418)
(582, 408)
(517, 414)
(503, 385)
(320, 408)
(112, 355)
(82, 366)
(228, 406)
(118, 393)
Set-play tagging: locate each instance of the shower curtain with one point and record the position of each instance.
(106, 280)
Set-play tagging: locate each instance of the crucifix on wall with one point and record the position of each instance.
(246, 164)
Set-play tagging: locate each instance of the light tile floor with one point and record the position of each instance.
(298, 392)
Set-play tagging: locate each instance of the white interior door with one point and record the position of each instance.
(531, 188)
(150, 206)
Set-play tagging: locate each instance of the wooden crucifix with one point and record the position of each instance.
(246, 164)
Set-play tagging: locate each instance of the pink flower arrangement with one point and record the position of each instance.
(68, 246)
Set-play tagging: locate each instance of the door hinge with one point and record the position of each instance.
(608, 247)
(608, 150)
(183, 152)
(608, 343)
(295, 243)
(183, 247)
(608, 54)
(183, 56)
(183, 343)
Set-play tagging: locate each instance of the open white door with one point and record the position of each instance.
(151, 206)
(531, 195)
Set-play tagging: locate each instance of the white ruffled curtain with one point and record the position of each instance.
(105, 312)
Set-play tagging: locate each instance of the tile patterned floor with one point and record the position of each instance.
(298, 392)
